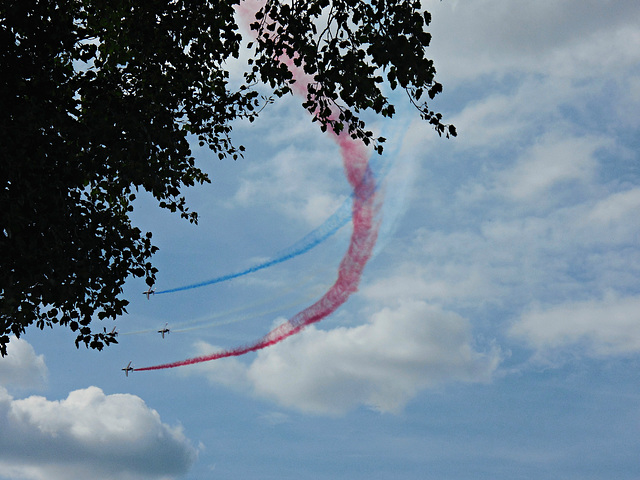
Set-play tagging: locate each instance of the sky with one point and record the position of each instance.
(495, 333)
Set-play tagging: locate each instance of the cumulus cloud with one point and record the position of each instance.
(498, 222)
(551, 161)
(569, 38)
(229, 372)
(22, 368)
(616, 210)
(295, 182)
(89, 435)
(607, 326)
(532, 66)
(382, 364)
(506, 254)
(299, 179)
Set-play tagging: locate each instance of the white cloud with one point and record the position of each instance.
(297, 181)
(382, 364)
(552, 160)
(436, 277)
(89, 435)
(532, 109)
(486, 251)
(575, 38)
(607, 326)
(229, 372)
(22, 368)
(532, 65)
(618, 209)
(543, 73)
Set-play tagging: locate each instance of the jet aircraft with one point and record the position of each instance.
(150, 291)
(128, 369)
(164, 330)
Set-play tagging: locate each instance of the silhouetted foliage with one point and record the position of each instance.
(98, 99)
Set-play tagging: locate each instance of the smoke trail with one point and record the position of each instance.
(210, 320)
(250, 316)
(363, 238)
(379, 165)
(360, 248)
(335, 222)
(231, 317)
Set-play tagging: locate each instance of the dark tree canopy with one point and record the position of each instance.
(98, 99)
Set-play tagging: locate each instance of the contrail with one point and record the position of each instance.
(363, 238)
(335, 222)
(249, 316)
(379, 165)
(364, 211)
(231, 314)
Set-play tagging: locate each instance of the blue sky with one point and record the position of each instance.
(496, 331)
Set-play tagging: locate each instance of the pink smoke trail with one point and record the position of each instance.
(355, 157)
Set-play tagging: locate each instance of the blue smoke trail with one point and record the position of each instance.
(335, 222)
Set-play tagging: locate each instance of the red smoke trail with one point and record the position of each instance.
(355, 157)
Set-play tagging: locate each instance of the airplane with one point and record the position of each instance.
(113, 332)
(164, 330)
(151, 291)
(128, 369)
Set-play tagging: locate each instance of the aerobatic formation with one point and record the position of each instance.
(365, 204)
